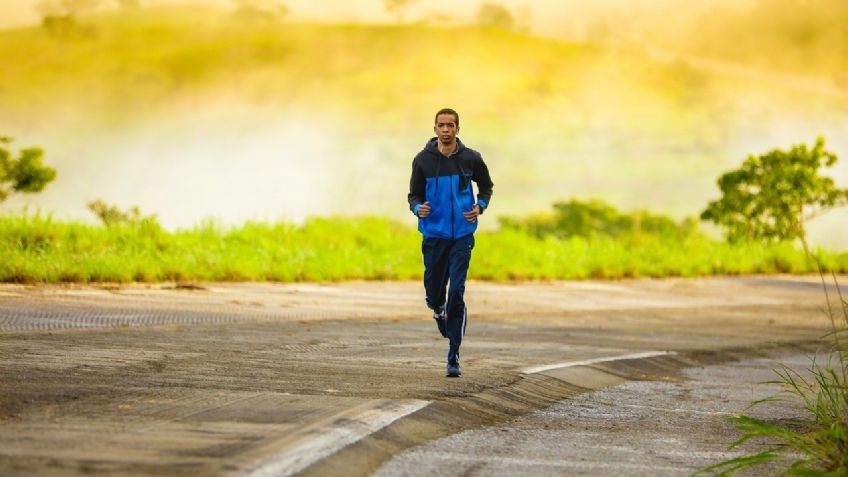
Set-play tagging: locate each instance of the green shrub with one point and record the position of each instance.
(597, 218)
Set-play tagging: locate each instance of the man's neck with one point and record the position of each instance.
(447, 149)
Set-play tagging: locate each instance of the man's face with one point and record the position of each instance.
(446, 128)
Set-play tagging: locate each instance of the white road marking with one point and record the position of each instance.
(328, 441)
(585, 362)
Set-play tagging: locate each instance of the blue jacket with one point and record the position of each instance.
(445, 182)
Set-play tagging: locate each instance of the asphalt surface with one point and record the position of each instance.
(267, 379)
(639, 428)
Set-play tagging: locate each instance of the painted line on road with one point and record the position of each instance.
(585, 362)
(326, 442)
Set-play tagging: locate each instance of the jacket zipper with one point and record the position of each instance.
(450, 179)
(453, 232)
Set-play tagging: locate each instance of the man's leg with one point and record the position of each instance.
(460, 258)
(436, 260)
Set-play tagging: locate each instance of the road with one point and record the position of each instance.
(339, 379)
(669, 427)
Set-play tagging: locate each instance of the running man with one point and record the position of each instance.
(442, 197)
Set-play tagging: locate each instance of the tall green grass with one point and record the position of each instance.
(819, 447)
(37, 248)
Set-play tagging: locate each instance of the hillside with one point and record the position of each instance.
(191, 113)
(152, 56)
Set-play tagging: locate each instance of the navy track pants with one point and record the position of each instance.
(444, 260)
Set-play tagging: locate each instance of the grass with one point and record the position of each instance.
(37, 248)
(819, 447)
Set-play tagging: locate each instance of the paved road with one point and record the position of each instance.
(265, 379)
(637, 428)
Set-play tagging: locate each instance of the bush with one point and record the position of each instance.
(597, 218)
(495, 16)
(26, 174)
(773, 196)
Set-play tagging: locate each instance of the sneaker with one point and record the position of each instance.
(440, 315)
(453, 371)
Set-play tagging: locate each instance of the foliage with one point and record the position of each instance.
(397, 7)
(820, 446)
(260, 10)
(26, 174)
(495, 16)
(60, 25)
(111, 215)
(773, 195)
(34, 248)
(596, 217)
(61, 17)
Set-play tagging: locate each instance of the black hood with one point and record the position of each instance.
(433, 146)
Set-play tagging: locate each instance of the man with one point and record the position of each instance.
(441, 195)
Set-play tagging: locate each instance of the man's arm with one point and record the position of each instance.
(484, 190)
(484, 184)
(417, 187)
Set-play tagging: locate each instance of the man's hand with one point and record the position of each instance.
(471, 216)
(424, 210)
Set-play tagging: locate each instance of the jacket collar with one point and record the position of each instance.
(432, 146)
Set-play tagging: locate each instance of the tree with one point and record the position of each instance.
(495, 16)
(397, 7)
(26, 174)
(60, 17)
(773, 196)
(255, 11)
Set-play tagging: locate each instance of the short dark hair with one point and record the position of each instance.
(447, 111)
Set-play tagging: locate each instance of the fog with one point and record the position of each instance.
(234, 161)
(260, 145)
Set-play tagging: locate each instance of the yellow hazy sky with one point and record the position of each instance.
(548, 17)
